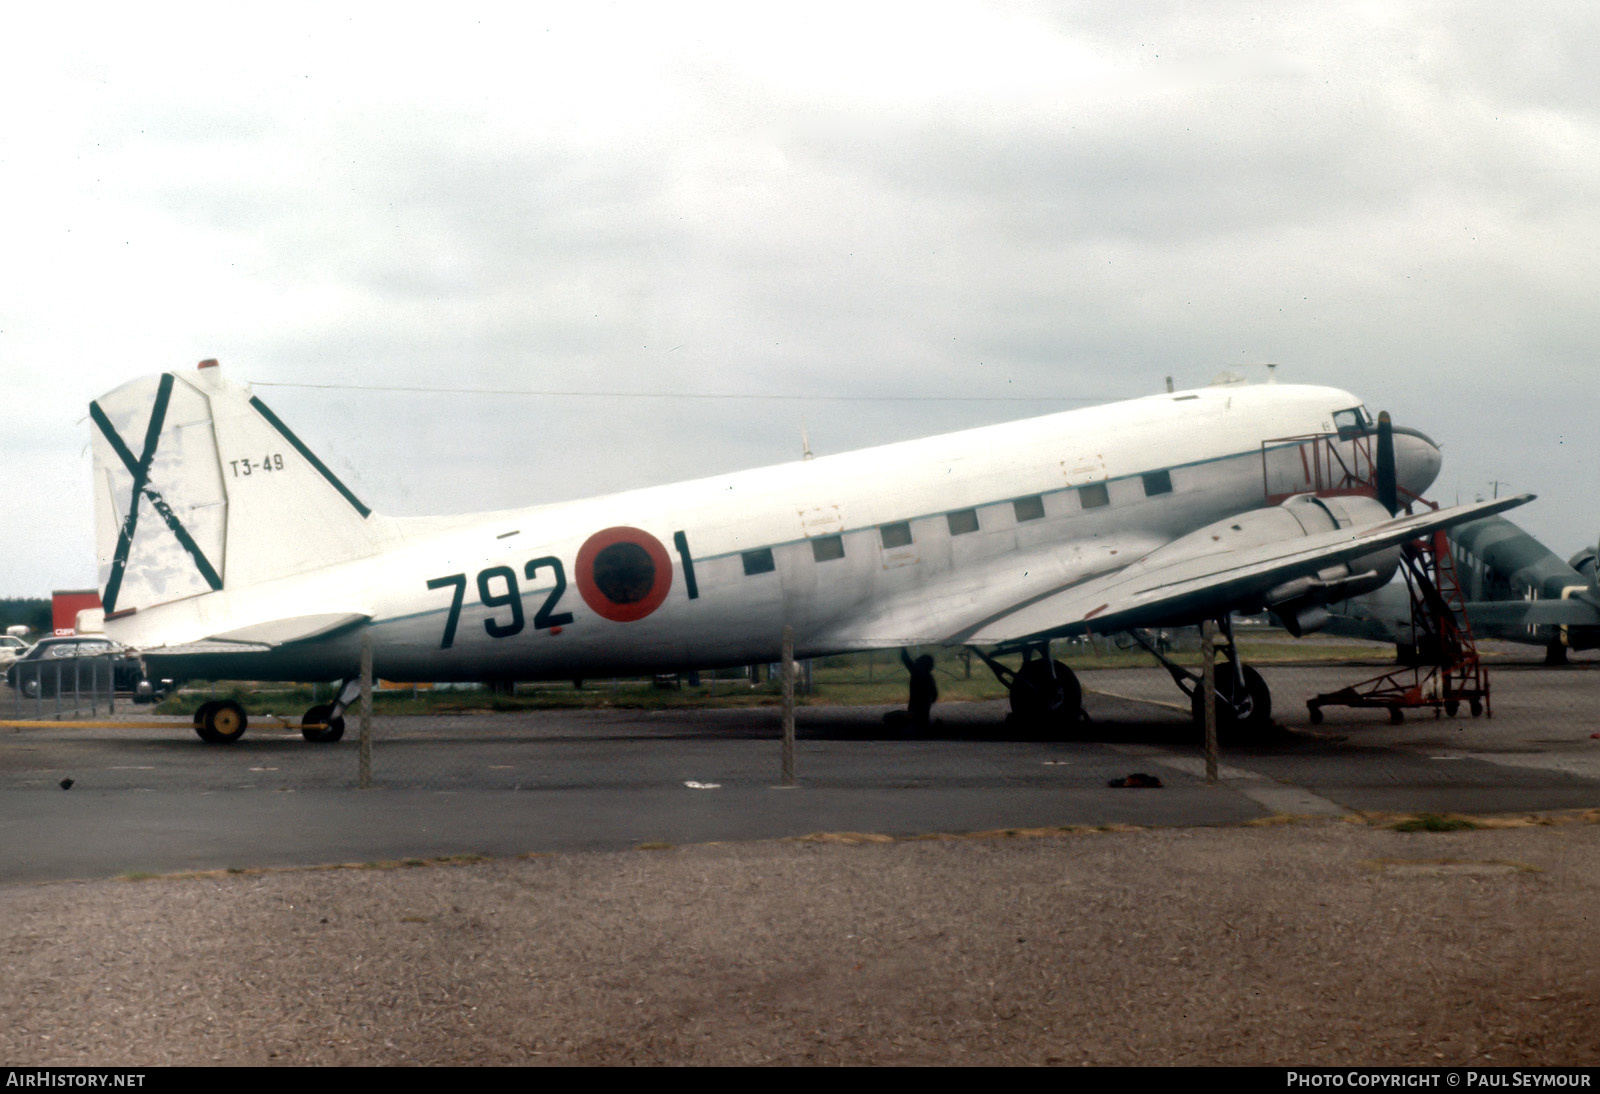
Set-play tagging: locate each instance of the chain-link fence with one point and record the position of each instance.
(63, 687)
(1532, 746)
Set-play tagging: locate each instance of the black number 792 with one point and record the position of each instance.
(509, 595)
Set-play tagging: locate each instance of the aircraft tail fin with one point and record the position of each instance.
(199, 487)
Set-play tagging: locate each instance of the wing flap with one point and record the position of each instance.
(927, 613)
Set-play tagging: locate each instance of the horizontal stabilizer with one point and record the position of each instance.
(263, 637)
(301, 628)
(208, 647)
(1570, 612)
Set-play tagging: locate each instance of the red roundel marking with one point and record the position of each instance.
(623, 573)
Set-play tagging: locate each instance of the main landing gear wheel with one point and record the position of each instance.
(318, 728)
(220, 722)
(1248, 719)
(1045, 701)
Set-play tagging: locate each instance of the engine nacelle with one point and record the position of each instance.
(1301, 603)
(1584, 563)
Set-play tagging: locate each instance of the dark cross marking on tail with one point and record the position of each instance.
(311, 457)
(140, 470)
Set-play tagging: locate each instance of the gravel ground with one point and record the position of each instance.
(1306, 943)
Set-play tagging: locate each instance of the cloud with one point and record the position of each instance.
(960, 199)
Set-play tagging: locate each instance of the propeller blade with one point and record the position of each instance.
(1388, 490)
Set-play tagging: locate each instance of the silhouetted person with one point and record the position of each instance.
(924, 692)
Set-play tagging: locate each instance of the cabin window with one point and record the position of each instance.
(827, 548)
(962, 521)
(758, 562)
(1029, 508)
(1157, 482)
(1094, 495)
(897, 534)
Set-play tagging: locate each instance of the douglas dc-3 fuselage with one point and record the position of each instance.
(229, 550)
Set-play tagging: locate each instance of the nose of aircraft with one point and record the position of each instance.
(1416, 460)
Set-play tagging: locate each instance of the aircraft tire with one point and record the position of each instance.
(329, 731)
(200, 716)
(223, 724)
(1229, 725)
(1046, 703)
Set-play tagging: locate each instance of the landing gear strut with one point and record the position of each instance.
(1044, 693)
(323, 724)
(1244, 702)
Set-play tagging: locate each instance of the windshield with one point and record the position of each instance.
(1352, 422)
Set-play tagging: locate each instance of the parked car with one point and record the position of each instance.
(67, 660)
(11, 648)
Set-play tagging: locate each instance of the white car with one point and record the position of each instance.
(11, 648)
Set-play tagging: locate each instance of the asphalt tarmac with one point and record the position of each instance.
(156, 800)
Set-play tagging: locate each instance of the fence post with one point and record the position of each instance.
(366, 710)
(788, 705)
(1208, 667)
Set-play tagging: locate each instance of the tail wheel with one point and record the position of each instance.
(318, 728)
(200, 717)
(221, 722)
(1045, 698)
(1248, 716)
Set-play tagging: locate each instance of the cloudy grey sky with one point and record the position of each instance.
(1018, 207)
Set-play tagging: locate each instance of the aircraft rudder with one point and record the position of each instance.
(199, 486)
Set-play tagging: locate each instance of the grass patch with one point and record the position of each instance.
(1435, 822)
(858, 679)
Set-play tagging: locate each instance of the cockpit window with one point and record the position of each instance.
(1352, 422)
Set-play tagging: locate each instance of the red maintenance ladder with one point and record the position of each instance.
(1445, 670)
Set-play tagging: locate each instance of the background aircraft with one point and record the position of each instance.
(1516, 589)
(229, 550)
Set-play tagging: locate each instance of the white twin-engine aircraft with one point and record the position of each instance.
(228, 550)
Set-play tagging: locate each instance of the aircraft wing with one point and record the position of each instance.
(1193, 579)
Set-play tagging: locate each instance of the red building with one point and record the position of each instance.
(65, 604)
